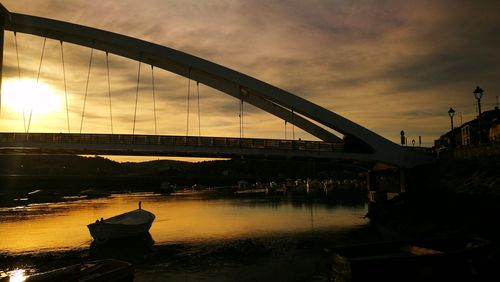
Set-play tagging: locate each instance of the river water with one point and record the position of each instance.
(180, 218)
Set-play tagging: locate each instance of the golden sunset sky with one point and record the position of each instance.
(387, 65)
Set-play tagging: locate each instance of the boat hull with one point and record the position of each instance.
(136, 223)
(109, 270)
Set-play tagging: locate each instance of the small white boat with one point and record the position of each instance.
(129, 224)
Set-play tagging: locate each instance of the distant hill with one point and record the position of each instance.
(78, 165)
(61, 168)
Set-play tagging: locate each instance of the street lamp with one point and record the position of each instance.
(451, 113)
(478, 94)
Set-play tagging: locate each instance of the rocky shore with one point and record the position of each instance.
(461, 202)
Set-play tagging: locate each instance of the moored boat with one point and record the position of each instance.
(111, 270)
(448, 259)
(93, 193)
(129, 224)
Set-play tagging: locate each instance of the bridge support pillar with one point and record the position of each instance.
(385, 183)
(388, 182)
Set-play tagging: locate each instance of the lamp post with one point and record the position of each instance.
(451, 113)
(478, 94)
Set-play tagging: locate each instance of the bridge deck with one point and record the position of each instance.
(162, 145)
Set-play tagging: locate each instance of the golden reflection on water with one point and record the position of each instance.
(178, 219)
(17, 275)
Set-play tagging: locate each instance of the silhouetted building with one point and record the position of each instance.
(450, 139)
(469, 133)
(494, 133)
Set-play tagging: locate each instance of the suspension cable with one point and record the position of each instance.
(189, 90)
(137, 93)
(241, 118)
(199, 116)
(239, 115)
(154, 97)
(242, 121)
(109, 93)
(293, 127)
(37, 77)
(65, 88)
(285, 129)
(86, 89)
(19, 77)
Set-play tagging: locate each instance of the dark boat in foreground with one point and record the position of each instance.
(95, 271)
(129, 224)
(447, 259)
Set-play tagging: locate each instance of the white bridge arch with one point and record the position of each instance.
(294, 109)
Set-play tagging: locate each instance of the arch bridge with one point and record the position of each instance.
(358, 143)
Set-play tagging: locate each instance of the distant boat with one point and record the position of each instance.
(129, 224)
(93, 193)
(313, 186)
(252, 192)
(448, 259)
(111, 270)
(37, 196)
(166, 188)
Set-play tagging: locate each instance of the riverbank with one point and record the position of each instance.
(463, 198)
(462, 201)
(61, 171)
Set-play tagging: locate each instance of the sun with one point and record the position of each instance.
(27, 95)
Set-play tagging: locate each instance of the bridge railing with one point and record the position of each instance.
(20, 139)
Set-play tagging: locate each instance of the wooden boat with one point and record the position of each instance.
(129, 224)
(251, 192)
(111, 270)
(454, 259)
